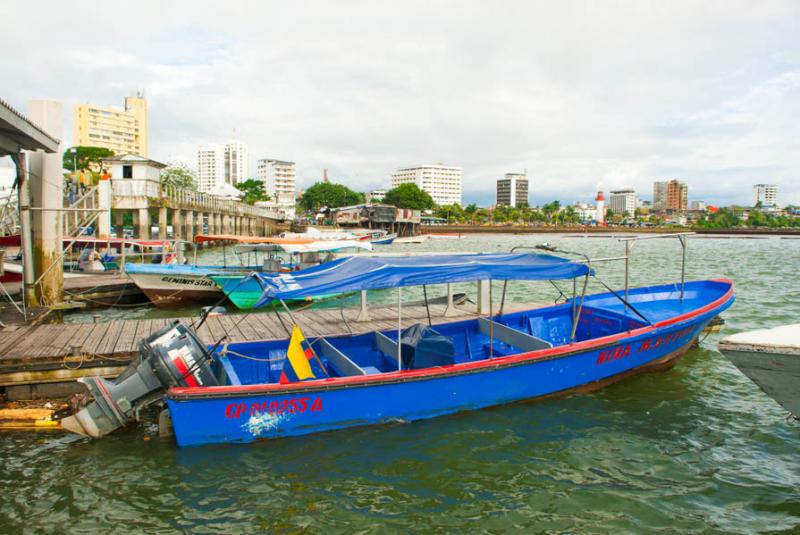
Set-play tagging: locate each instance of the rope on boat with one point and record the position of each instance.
(226, 351)
(85, 357)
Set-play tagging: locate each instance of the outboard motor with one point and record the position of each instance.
(172, 356)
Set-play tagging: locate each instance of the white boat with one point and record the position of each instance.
(171, 285)
(319, 235)
(446, 236)
(771, 359)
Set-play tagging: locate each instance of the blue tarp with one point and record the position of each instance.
(355, 273)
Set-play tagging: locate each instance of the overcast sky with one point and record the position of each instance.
(583, 95)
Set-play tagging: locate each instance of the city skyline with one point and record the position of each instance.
(588, 108)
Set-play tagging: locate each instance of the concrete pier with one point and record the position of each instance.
(136, 189)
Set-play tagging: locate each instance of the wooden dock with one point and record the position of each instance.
(34, 356)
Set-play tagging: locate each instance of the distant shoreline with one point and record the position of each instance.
(562, 229)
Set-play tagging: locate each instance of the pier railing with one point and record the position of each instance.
(187, 199)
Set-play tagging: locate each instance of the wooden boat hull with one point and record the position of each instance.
(249, 412)
(172, 290)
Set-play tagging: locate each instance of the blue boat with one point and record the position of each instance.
(579, 345)
(242, 392)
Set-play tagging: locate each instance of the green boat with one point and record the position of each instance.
(244, 292)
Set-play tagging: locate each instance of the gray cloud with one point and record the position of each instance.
(578, 93)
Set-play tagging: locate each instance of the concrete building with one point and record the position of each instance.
(235, 162)
(278, 177)
(670, 195)
(697, 205)
(210, 168)
(766, 194)
(284, 206)
(442, 183)
(512, 190)
(623, 202)
(586, 212)
(376, 195)
(123, 131)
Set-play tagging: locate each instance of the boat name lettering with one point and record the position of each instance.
(191, 282)
(658, 341)
(293, 405)
(620, 352)
(614, 353)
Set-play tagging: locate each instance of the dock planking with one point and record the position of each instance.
(45, 346)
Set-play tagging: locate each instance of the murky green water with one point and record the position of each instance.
(696, 449)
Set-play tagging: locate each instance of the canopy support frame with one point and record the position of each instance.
(399, 328)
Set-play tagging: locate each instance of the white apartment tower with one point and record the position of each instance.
(512, 190)
(442, 183)
(210, 172)
(623, 202)
(278, 178)
(766, 194)
(235, 162)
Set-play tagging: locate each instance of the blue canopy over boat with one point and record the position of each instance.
(355, 273)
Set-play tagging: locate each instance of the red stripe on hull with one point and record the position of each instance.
(406, 375)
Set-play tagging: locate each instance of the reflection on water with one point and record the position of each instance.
(694, 449)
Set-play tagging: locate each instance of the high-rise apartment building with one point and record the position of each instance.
(210, 172)
(123, 131)
(622, 202)
(766, 194)
(512, 190)
(670, 195)
(442, 183)
(235, 162)
(278, 178)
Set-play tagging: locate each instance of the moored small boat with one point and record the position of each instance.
(241, 392)
(175, 284)
(244, 291)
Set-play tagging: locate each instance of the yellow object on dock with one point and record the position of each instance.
(28, 419)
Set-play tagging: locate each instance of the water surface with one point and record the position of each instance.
(695, 449)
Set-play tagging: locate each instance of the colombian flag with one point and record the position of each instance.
(297, 366)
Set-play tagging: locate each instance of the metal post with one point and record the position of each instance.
(627, 260)
(399, 327)
(491, 322)
(503, 298)
(26, 237)
(580, 308)
(450, 308)
(122, 256)
(683, 264)
(574, 296)
(363, 315)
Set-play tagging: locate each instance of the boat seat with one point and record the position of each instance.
(500, 349)
(339, 360)
(511, 336)
(386, 345)
(371, 370)
(227, 367)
